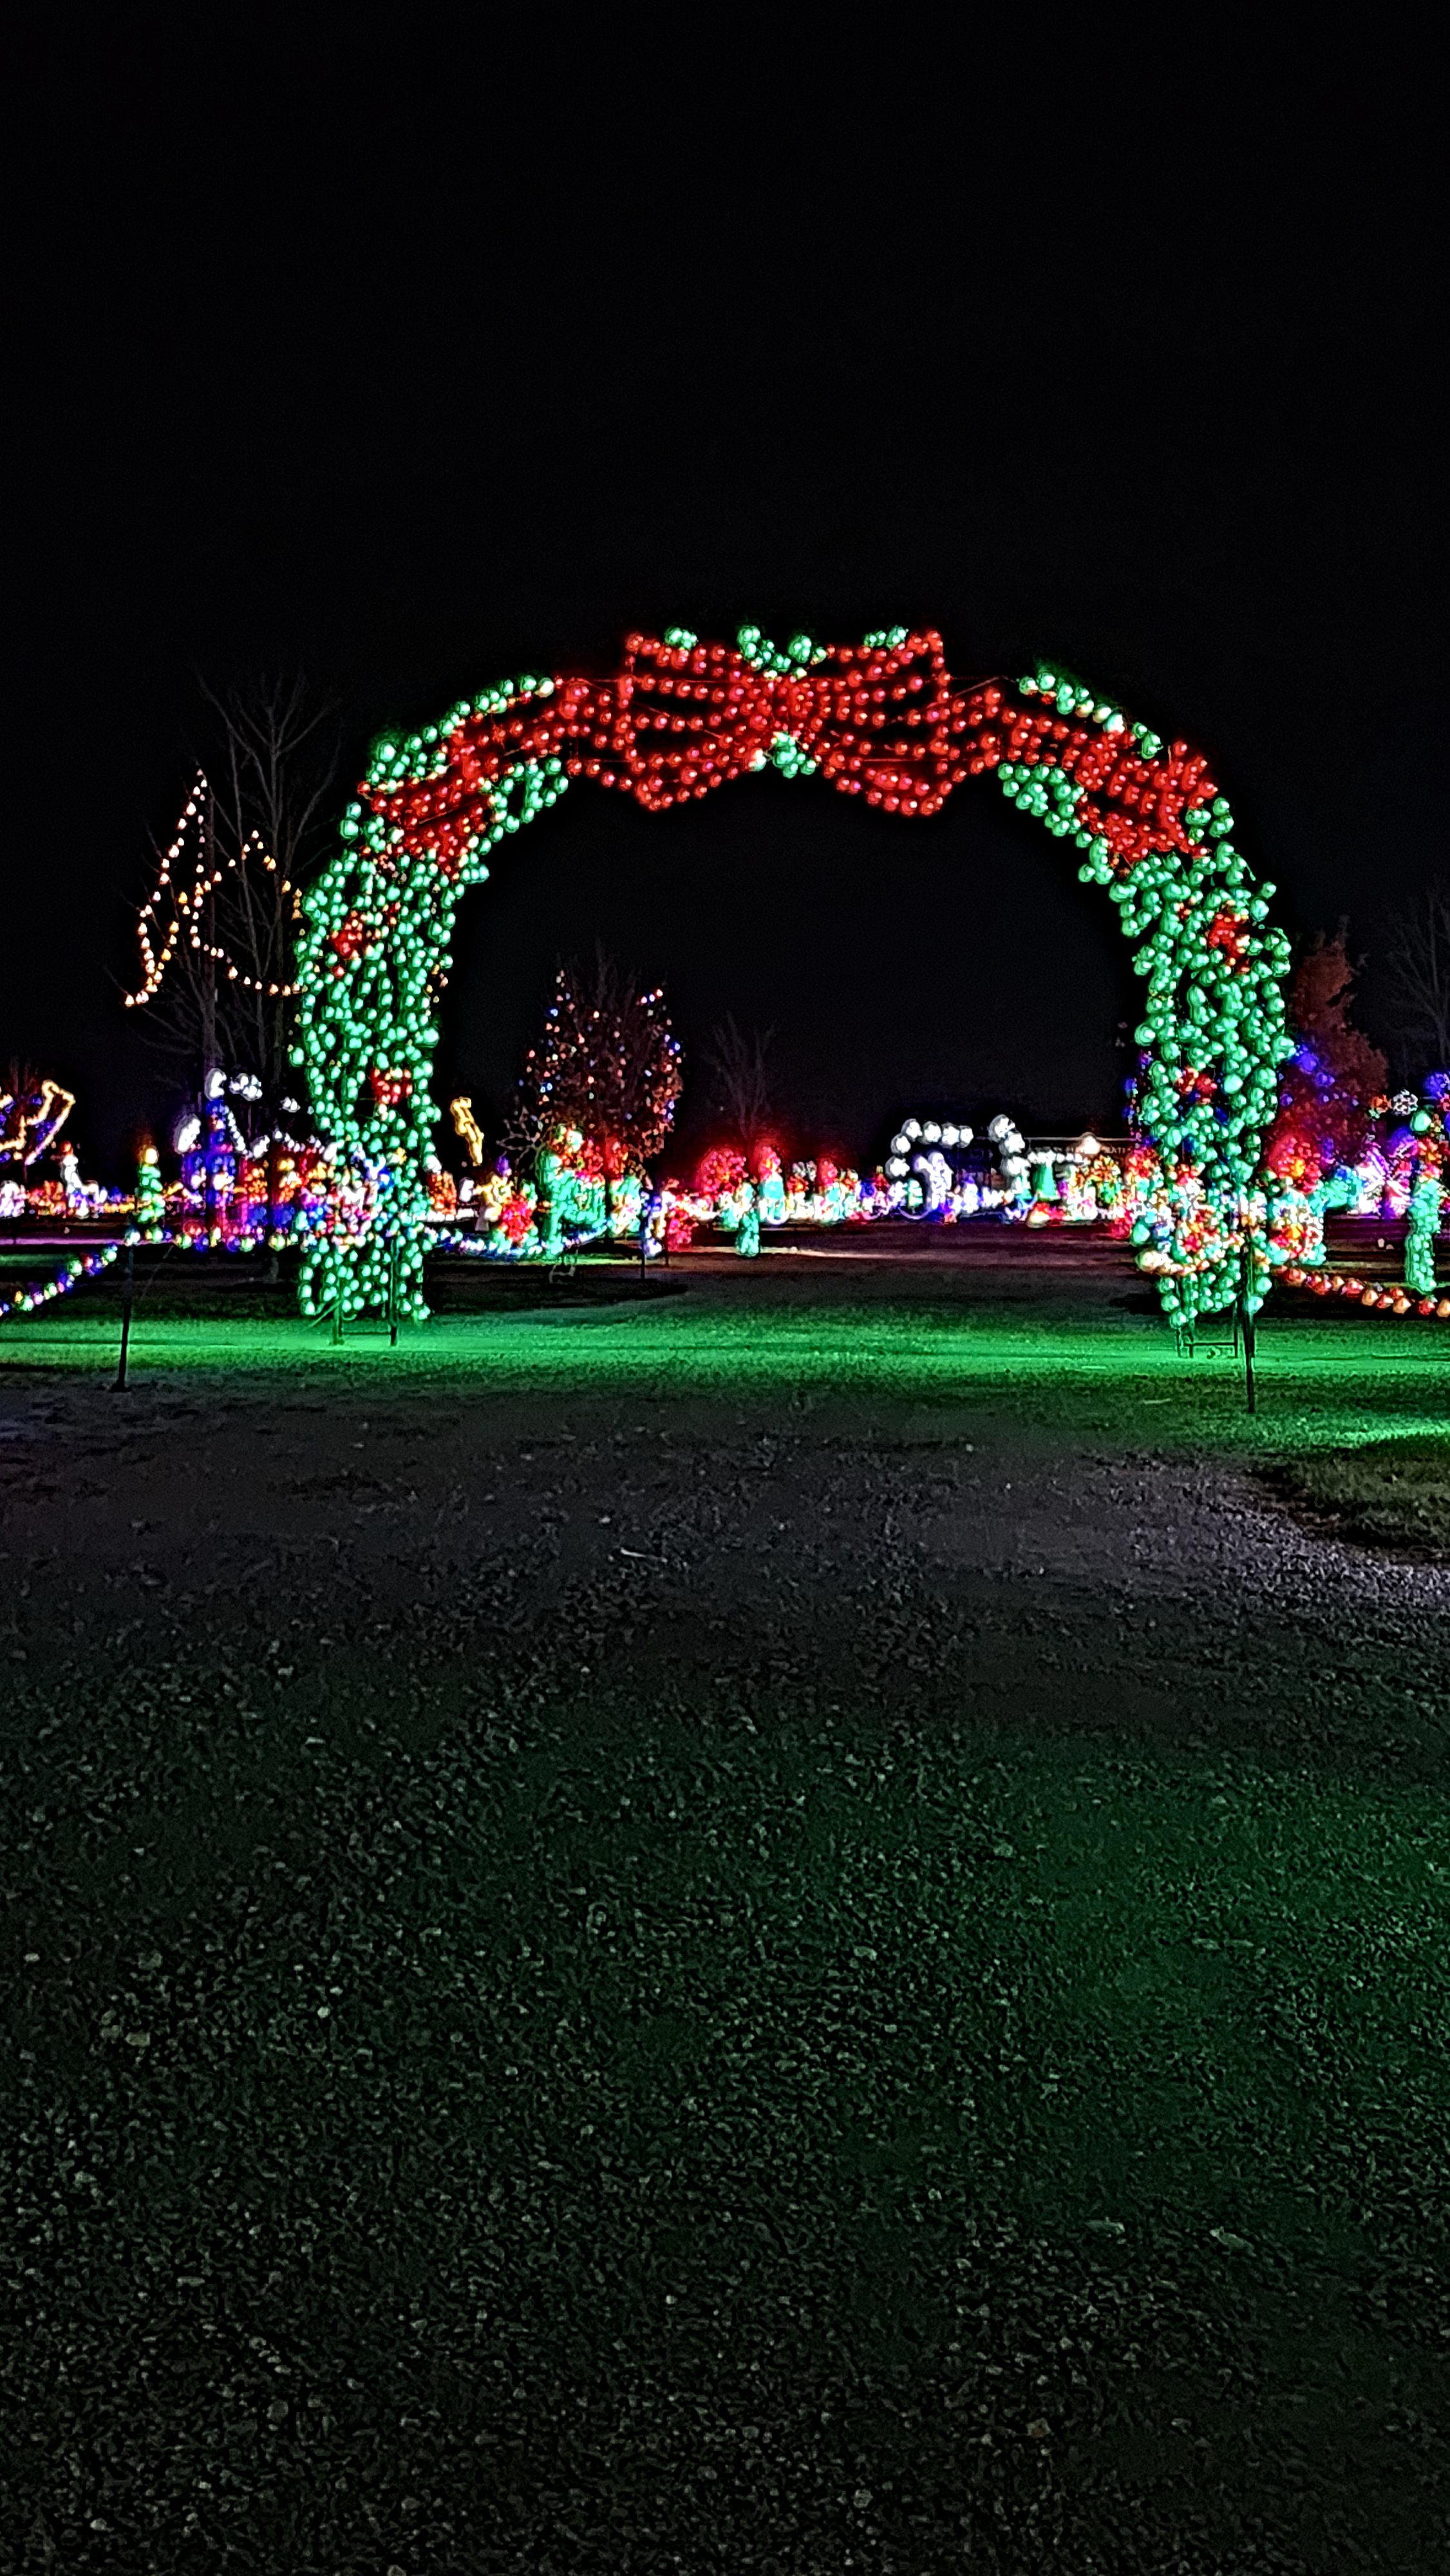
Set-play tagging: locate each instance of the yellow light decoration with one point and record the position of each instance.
(187, 903)
(467, 1126)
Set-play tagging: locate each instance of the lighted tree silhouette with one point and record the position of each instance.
(608, 1064)
(1327, 1085)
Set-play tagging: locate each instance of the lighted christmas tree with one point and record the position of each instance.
(607, 1065)
(1327, 1086)
(150, 1197)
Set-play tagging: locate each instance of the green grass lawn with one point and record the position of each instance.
(1393, 1492)
(1316, 1374)
(1350, 1424)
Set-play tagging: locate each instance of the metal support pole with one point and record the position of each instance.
(393, 1267)
(128, 1284)
(1247, 1319)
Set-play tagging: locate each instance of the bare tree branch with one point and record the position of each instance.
(1418, 964)
(280, 748)
(739, 1071)
(218, 943)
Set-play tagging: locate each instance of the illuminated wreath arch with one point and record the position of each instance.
(881, 719)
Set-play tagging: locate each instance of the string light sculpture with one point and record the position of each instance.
(882, 719)
(155, 1236)
(175, 911)
(37, 1293)
(30, 1121)
(1390, 1300)
(467, 1127)
(1427, 1200)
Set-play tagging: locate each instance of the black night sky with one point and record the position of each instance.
(416, 349)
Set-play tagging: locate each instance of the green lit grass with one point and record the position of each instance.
(1077, 1372)
(1393, 1492)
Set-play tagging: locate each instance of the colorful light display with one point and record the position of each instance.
(37, 1293)
(882, 719)
(1388, 1300)
(1398, 1175)
(1328, 1086)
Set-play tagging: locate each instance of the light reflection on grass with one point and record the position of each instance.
(1076, 1375)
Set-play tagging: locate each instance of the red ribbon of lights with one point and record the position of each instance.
(888, 724)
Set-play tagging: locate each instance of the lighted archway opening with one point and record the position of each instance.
(883, 719)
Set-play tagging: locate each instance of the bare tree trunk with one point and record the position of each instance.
(206, 931)
(280, 760)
